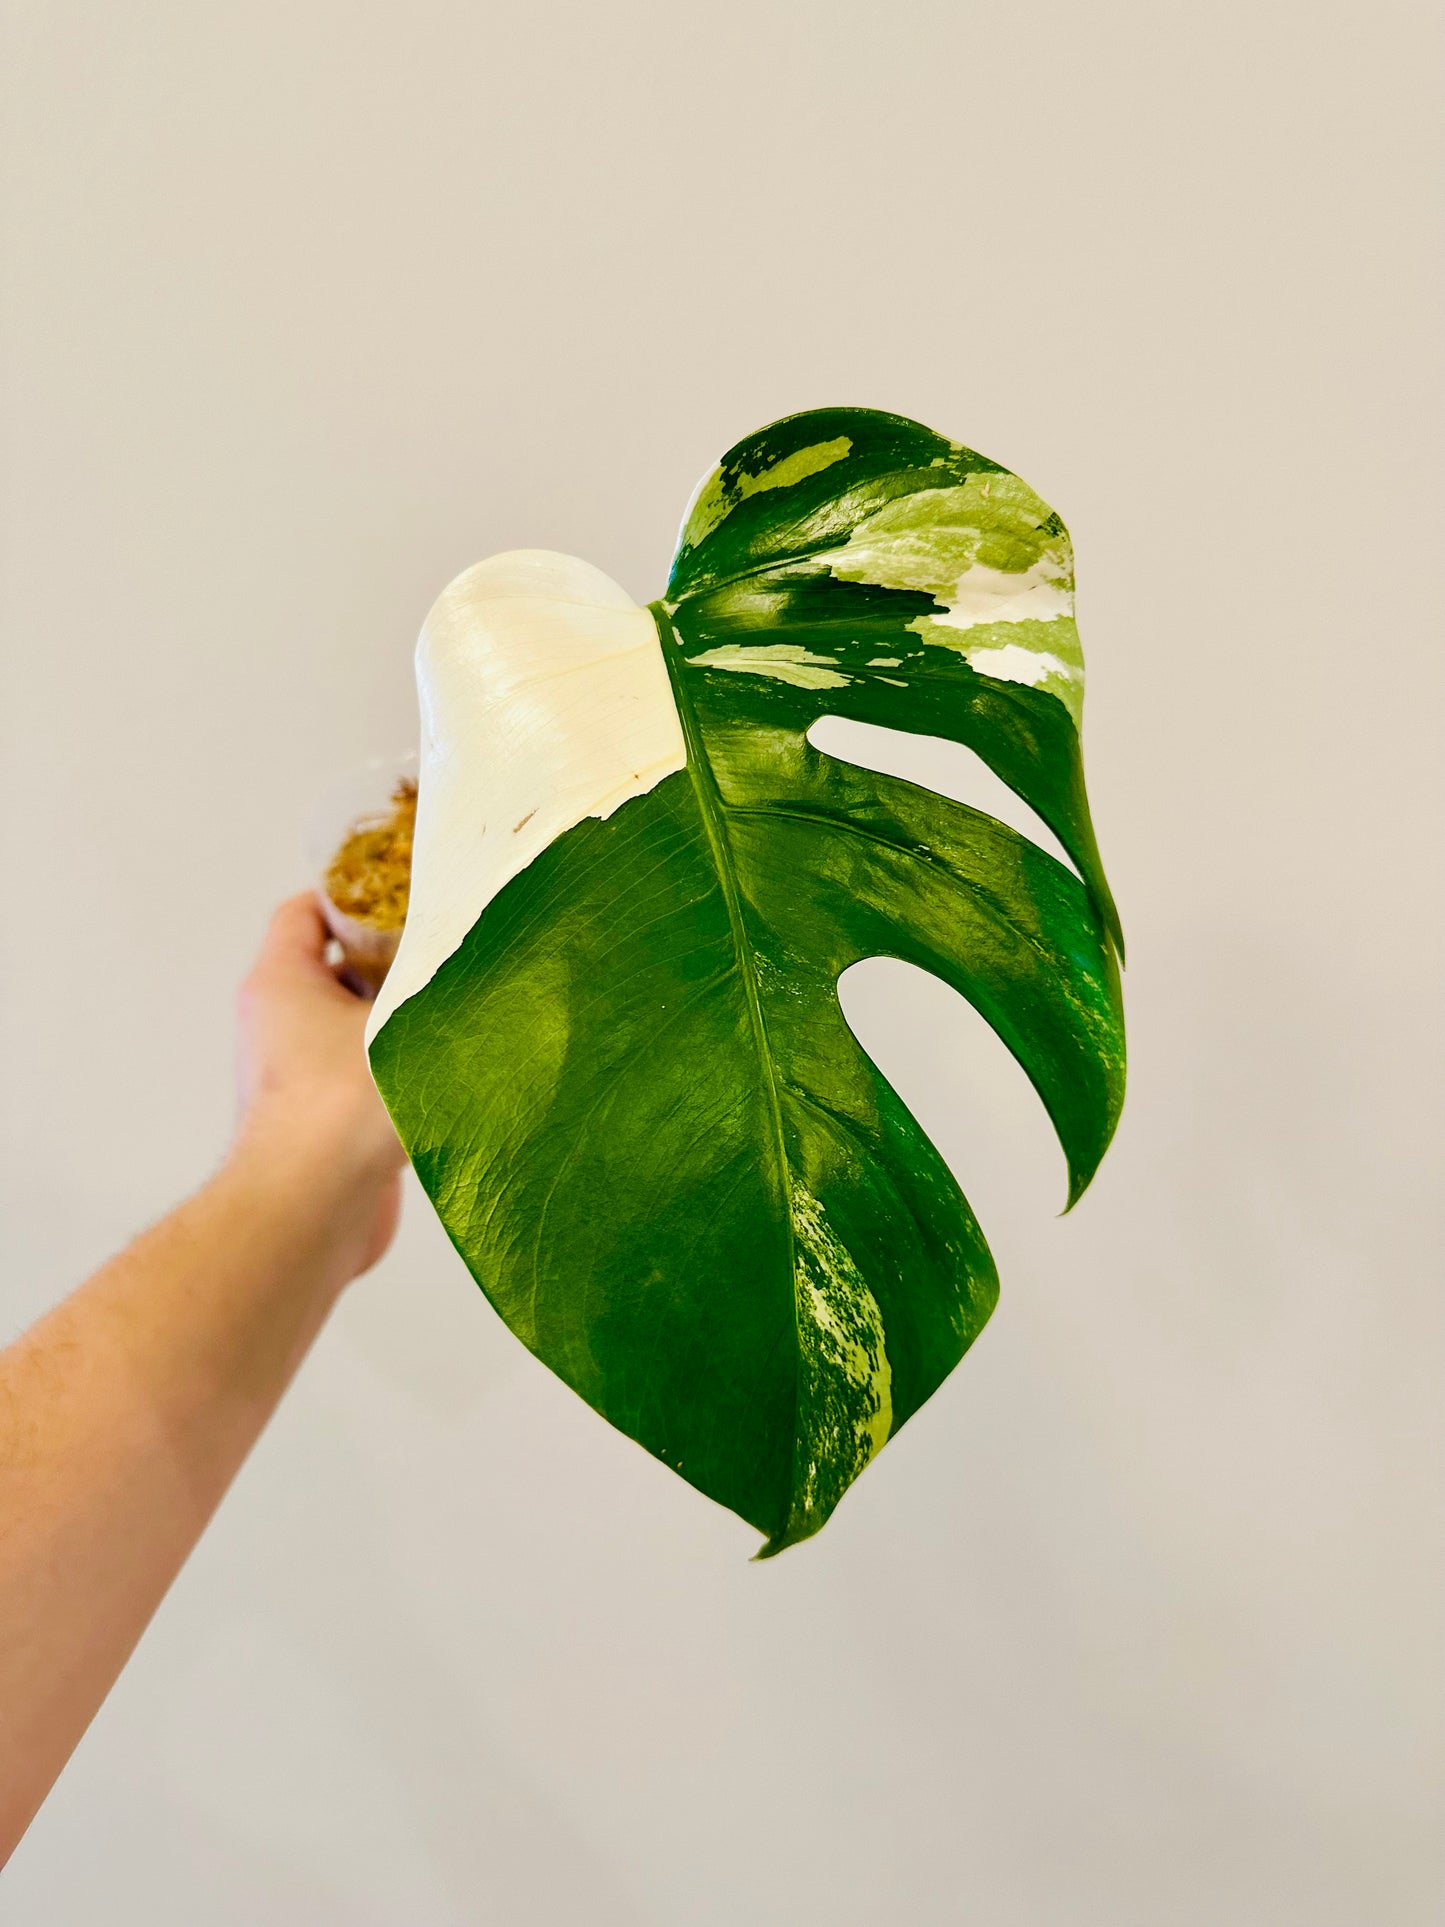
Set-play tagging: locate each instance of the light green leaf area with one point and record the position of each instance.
(930, 539)
(785, 661)
(631, 1092)
(722, 491)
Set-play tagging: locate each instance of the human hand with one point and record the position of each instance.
(311, 1119)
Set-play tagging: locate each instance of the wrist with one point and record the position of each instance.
(311, 1196)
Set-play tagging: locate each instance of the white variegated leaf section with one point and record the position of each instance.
(544, 700)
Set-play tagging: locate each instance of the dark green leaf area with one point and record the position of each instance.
(634, 1101)
(879, 670)
(869, 866)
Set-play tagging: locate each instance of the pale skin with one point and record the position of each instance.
(127, 1410)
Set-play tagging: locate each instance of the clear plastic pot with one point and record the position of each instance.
(364, 798)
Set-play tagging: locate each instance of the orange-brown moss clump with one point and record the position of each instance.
(370, 875)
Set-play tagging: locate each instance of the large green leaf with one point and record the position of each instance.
(612, 1042)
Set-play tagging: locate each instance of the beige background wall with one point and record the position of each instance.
(312, 304)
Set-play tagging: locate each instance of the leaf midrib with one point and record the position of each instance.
(712, 809)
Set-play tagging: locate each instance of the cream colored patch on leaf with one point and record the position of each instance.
(1041, 593)
(845, 1399)
(1013, 663)
(784, 661)
(1043, 655)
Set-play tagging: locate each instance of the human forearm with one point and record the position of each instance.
(124, 1415)
(126, 1412)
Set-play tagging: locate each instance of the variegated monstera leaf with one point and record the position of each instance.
(612, 1042)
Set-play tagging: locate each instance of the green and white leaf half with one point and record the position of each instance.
(611, 1039)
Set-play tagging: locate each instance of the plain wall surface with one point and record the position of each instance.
(311, 305)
